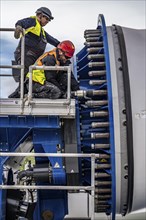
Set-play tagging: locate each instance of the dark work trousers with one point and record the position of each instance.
(29, 59)
(48, 90)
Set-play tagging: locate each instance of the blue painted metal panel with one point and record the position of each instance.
(101, 21)
(47, 137)
(84, 119)
(29, 121)
(50, 140)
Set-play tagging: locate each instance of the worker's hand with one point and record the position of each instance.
(18, 31)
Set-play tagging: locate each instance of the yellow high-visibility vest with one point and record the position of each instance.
(36, 29)
(39, 75)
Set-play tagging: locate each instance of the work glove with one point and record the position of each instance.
(18, 31)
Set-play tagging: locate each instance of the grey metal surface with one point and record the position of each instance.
(119, 117)
(136, 54)
(22, 69)
(58, 107)
(19, 154)
(88, 188)
(135, 41)
(99, 216)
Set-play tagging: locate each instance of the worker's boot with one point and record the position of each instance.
(15, 94)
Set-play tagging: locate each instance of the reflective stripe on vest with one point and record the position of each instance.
(39, 75)
(36, 29)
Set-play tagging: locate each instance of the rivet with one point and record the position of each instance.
(125, 123)
(124, 111)
(119, 59)
(126, 176)
(126, 167)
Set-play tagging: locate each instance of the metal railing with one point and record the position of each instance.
(33, 67)
(51, 187)
(52, 68)
(18, 66)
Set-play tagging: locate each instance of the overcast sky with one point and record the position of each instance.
(71, 19)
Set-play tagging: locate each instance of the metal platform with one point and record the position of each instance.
(59, 107)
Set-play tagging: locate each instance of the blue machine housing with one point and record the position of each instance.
(46, 136)
(102, 76)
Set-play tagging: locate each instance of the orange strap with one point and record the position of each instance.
(52, 52)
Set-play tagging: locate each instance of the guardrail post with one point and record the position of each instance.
(69, 84)
(22, 69)
(93, 187)
(30, 83)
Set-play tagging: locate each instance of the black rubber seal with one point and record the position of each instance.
(128, 117)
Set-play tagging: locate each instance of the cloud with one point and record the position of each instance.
(71, 18)
(7, 47)
(7, 83)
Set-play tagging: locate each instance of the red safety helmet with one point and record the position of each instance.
(67, 47)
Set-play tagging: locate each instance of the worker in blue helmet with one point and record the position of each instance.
(36, 39)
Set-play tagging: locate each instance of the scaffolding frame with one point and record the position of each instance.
(58, 187)
(26, 105)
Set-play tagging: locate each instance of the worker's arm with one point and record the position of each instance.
(26, 23)
(63, 82)
(64, 78)
(74, 83)
(51, 40)
(51, 76)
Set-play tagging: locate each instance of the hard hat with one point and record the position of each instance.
(45, 11)
(67, 47)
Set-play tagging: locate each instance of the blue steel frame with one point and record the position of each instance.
(101, 21)
(46, 132)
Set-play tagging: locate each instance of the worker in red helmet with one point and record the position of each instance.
(68, 48)
(36, 39)
(53, 84)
